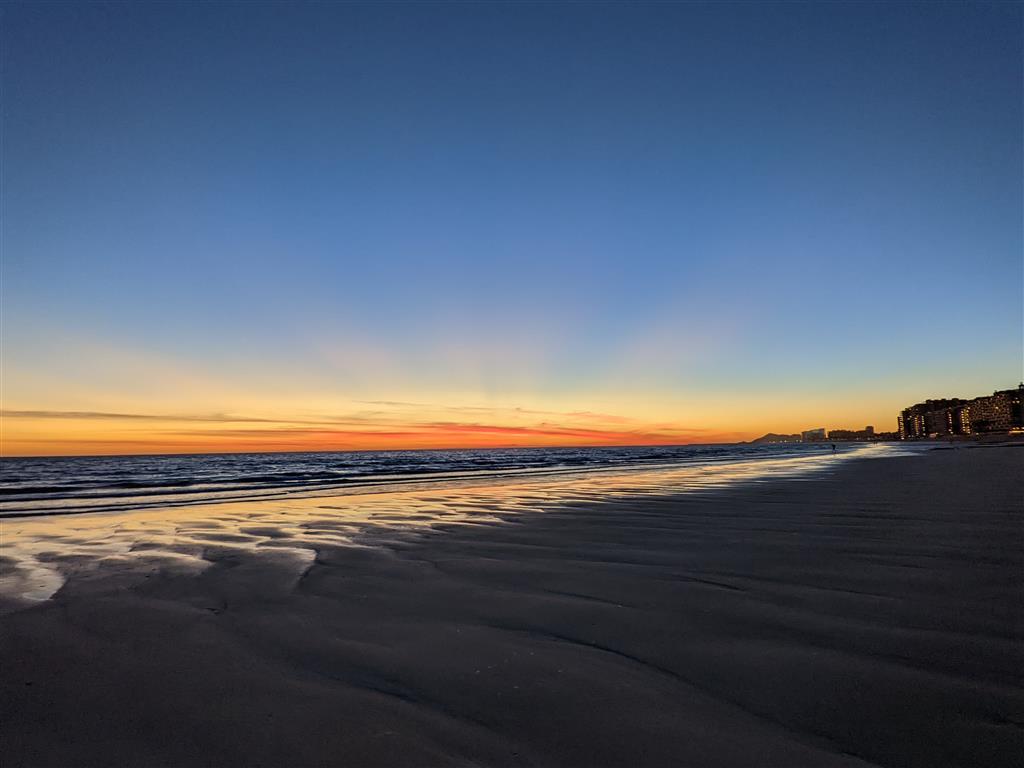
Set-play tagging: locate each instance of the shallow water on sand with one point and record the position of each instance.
(38, 554)
(64, 485)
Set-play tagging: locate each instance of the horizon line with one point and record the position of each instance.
(369, 450)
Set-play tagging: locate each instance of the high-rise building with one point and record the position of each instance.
(1002, 411)
(929, 419)
(999, 413)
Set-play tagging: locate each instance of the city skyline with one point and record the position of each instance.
(346, 227)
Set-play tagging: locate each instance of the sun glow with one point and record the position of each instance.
(86, 396)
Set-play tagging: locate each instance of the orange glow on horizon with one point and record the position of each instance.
(138, 404)
(86, 396)
(79, 436)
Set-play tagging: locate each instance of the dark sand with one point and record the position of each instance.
(868, 616)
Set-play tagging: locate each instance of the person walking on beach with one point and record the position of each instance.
(833, 447)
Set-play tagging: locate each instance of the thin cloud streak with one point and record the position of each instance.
(371, 417)
(101, 415)
(454, 428)
(397, 429)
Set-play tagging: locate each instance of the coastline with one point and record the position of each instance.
(41, 550)
(75, 485)
(867, 614)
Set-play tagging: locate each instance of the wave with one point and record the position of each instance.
(32, 486)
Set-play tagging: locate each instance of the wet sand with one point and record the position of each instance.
(868, 614)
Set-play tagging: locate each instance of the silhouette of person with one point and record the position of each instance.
(833, 447)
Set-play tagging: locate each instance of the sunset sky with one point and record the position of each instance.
(272, 226)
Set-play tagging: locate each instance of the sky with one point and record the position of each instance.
(287, 226)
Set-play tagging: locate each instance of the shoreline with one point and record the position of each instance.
(97, 485)
(157, 497)
(87, 536)
(842, 618)
(997, 437)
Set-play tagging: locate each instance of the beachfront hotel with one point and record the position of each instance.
(998, 413)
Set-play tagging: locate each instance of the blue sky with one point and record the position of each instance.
(512, 203)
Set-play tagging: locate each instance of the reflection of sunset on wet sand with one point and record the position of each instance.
(39, 550)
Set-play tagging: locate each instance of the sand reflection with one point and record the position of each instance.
(39, 555)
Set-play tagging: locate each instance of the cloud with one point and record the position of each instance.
(396, 425)
(100, 415)
(394, 403)
(451, 429)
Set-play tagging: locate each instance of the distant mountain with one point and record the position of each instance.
(771, 437)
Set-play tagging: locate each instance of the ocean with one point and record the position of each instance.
(55, 485)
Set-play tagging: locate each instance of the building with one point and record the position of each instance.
(999, 413)
(1002, 412)
(929, 419)
(813, 435)
(868, 433)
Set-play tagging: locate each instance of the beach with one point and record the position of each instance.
(866, 613)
